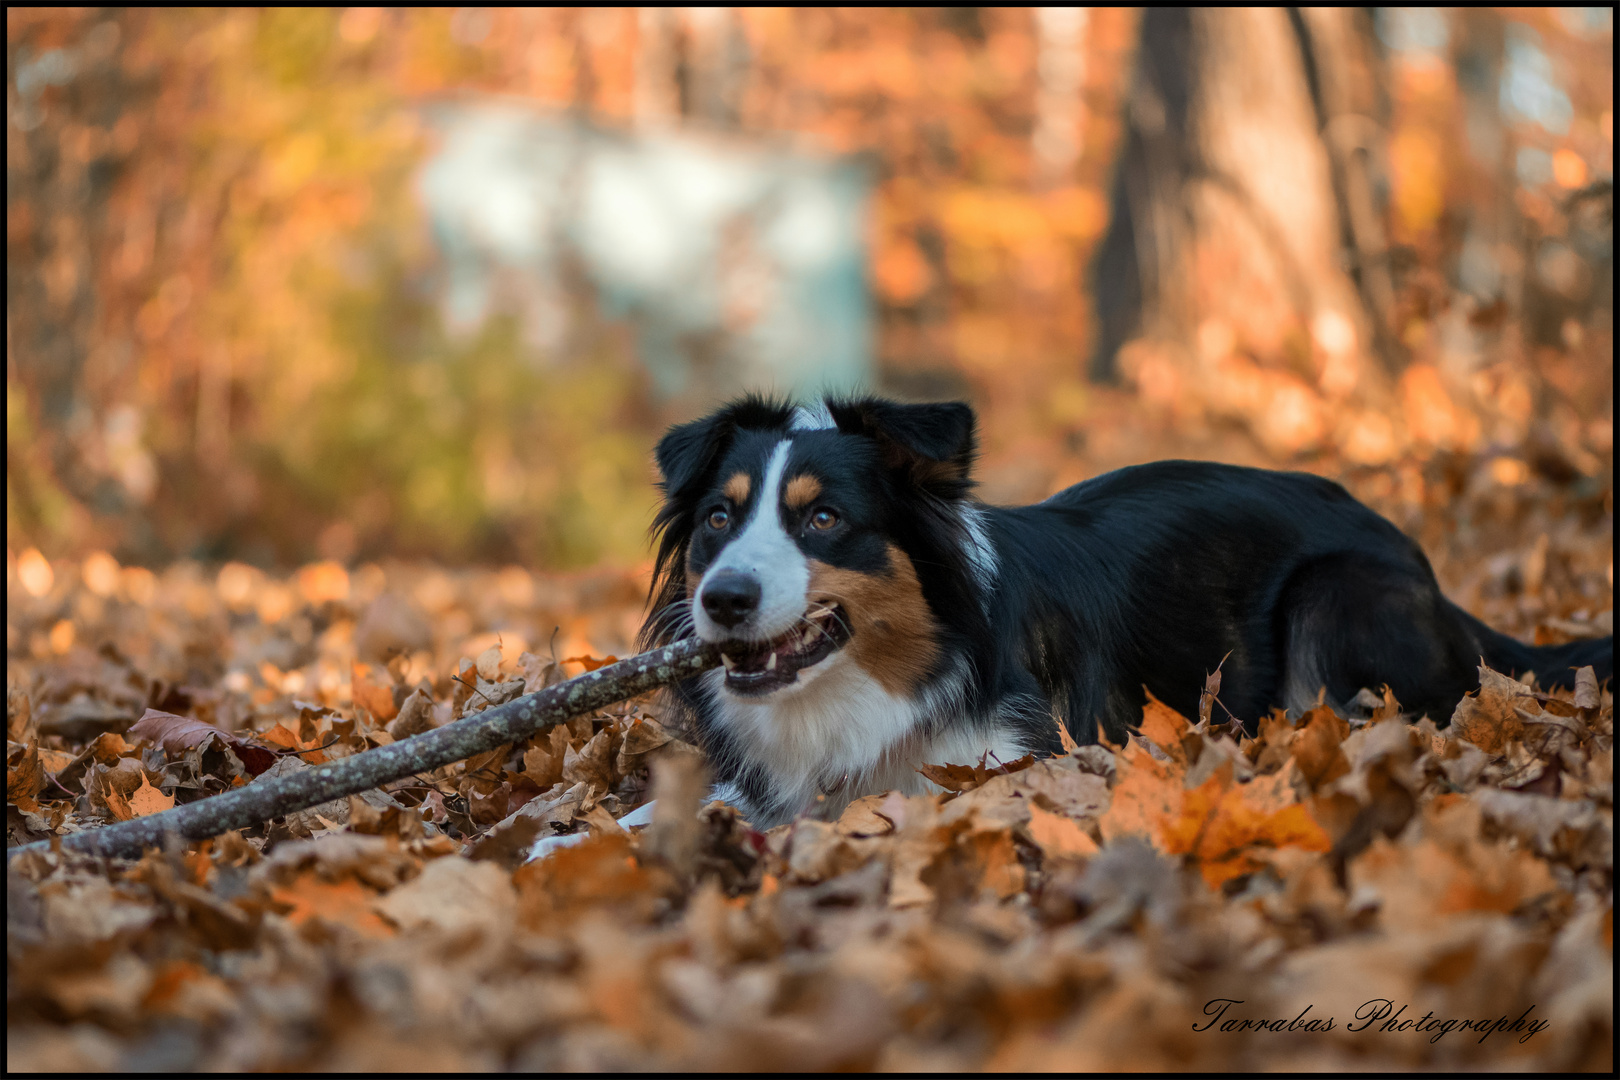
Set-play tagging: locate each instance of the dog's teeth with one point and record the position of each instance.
(770, 665)
(728, 661)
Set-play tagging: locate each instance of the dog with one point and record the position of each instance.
(875, 616)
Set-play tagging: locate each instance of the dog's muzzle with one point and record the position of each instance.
(756, 668)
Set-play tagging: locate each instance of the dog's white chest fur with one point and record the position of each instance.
(838, 733)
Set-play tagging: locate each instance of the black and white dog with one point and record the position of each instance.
(876, 617)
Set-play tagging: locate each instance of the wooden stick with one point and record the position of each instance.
(500, 725)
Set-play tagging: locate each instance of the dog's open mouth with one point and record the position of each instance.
(755, 669)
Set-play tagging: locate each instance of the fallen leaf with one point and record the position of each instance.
(601, 823)
(149, 800)
(283, 736)
(819, 851)
(177, 734)
(1316, 747)
(1211, 691)
(864, 817)
(488, 664)
(25, 779)
(537, 673)
(592, 763)
(1578, 834)
(376, 699)
(415, 716)
(1216, 823)
(1165, 728)
(1146, 792)
(1488, 718)
(951, 777)
(1250, 819)
(973, 863)
(586, 879)
(308, 900)
(591, 663)
(1426, 883)
(1586, 689)
(453, 895)
(1059, 836)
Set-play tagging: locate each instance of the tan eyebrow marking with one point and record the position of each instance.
(737, 488)
(802, 489)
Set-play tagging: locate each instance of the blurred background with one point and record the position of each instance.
(302, 284)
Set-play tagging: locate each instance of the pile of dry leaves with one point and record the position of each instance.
(1331, 894)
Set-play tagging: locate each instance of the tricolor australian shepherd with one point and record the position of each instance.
(875, 616)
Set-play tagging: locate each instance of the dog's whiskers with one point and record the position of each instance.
(674, 619)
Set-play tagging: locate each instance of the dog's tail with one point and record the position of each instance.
(1554, 665)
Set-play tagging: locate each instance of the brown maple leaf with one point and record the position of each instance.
(177, 734)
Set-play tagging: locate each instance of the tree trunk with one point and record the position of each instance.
(1245, 251)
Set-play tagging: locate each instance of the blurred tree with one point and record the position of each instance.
(222, 334)
(1245, 211)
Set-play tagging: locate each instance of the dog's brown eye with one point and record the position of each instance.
(719, 520)
(822, 520)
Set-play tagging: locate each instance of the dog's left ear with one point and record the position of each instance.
(934, 444)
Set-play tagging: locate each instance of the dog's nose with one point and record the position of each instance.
(730, 597)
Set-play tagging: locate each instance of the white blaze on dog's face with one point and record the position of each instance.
(754, 590)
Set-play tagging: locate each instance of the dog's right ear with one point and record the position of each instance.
(688, 451)
(686, 455)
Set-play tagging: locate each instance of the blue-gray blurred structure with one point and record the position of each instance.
(739, 266)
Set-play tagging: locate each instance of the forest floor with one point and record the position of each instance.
(1379, 893)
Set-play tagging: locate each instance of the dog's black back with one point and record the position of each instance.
(1152, 575)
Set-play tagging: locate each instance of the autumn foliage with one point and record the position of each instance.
(1080, 911)
(234, 415)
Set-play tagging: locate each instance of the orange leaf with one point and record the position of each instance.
(25, 781)
(1219, 823)
(376, 700)
(345, 902)
(592, 874)
(147, 799)
(281, 736)
(591, 663)
(1165, 727)
(170, 978)
(1147, 793)
(1059, 835)
(1315, 747)
(951, 777)
(1001, 872)
(117, 804)
(1262, 814)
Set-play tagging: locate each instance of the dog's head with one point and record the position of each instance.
(793, 534)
